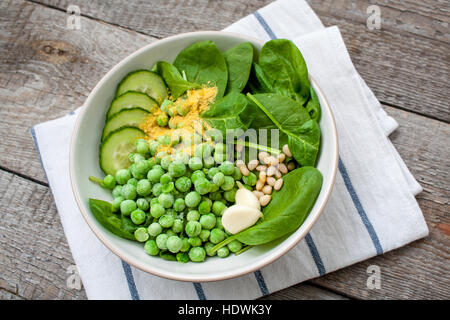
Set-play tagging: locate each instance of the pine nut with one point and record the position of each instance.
(267, 189)
(271, 181)
(264, 200)
(262, 176)
(271, 171)
(291, 165)
(258, 194)
(287, 151)
(278, 184)
(272, 160)
(239, 147)
(252, 164)
(277, 174)
(281, 157)
(262, 156)
(244, 170)
(240, 163)
(259, 185)
(261, 167)
(282, 168)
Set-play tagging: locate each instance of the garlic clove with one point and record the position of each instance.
(245, 197)
(237, 218)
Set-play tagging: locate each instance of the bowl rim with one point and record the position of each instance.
(209, 278)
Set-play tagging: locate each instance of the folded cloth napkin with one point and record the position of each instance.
(372, 208)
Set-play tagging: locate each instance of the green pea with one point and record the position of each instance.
(154, 229)
(157, 210)
(218, 208)
(159, 156)
(192, 199)
(202, 186)
(144, 187)
(223, 252)
(127, 206)
(133, 182)
(138, 216)
(142, 147)
(151, 247)
(109, 182)
(208, 249)
(195, 241)
(166, 199)
(197, 254)
(212, 172)
(165, 162)
(168, 188)
(204, 207)
(162, 119)
(177, 226)
(216, 236)
(166, 105)
(153, 201)
(197, 175)
(174, 244)
(170, 233)
(164, 140)
(193, 215)
(186, 245)
(161, 241)
(193, 228)
(215, 196)
(177, 169)
(155, 174)
(219, 157)
(230, 195)
(129, 192)
(183, 184)
(182, 257)
(237, 175)
(141, 234)
(166, 221)
(116, 203)
(219, 223)
(204, 235)
(227, 168)
(157, 189)
(250, 180)
(179, 205)
(208, 221)
(122, 176)
(208, 162)
(220, 148)
(154, 145)
(219, 178)
(183, 108)
(195, 163)
(235, 246)
(117, 191)
(228, 183)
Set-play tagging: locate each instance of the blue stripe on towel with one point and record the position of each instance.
(309, 241)
(130, 281)
(359, 207)
(33, 135)
(261, 282)
(199, 289)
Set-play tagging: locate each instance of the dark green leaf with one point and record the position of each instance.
(239, 62)
(313, 106)
(203, 63)
(174, 80)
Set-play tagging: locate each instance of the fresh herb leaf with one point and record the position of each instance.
(313, 106)
(174, 80)
(239, 62)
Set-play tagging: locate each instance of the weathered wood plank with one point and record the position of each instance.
(405, 63)
(34, 252)
(304, 291)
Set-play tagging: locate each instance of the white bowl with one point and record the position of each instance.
(84, 162)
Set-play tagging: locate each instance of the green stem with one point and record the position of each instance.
(96, 180)
(243, 250)
(258, 146)
(264, 109)
(221, 244)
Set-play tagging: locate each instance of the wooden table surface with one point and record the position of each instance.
(47, 70)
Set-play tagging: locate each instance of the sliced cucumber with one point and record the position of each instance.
(125, 118)
(144, 81)
(116, 147)
(131, 99)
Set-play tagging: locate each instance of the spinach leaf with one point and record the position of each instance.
(313, 106)
(173, 79)
(239, 62)
(285, 69)
(258, 82)
(203, 63)
(287, 210)
(296, 127)
(228, 113)
(102, 211)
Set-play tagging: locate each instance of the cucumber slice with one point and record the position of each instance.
(132, 99)
(125, 118)
(116, 147)
(144, 81)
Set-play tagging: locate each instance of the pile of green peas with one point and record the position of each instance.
(175, 201)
